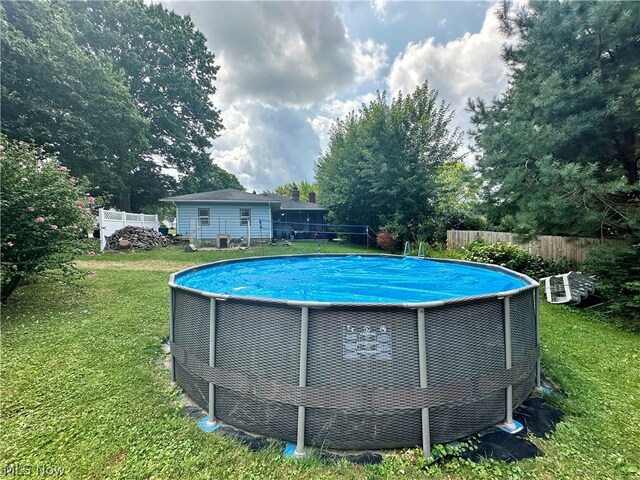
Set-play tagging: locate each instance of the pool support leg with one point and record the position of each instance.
(211, 419)
(422, 359)
(536, 299)
(302, 379)
(539, 389)
(507, 357)
(172, 359)
(509, 425)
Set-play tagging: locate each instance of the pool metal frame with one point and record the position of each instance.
(196, 314)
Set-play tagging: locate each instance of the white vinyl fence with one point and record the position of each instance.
(110, 221)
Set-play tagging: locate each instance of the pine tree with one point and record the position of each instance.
(559, 150)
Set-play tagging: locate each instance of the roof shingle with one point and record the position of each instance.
(233, 196)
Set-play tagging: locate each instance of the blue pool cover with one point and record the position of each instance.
(350, 279)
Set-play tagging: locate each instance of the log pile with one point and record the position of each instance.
(136, 238)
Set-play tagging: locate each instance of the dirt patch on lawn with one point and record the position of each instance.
(153, 265)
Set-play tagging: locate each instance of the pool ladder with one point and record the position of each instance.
(407, 250)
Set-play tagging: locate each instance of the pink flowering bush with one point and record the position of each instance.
(388, 241)
(42, 223)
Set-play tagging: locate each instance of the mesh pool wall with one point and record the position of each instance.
(355, 398)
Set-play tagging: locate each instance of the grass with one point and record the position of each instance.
(84, 389)
(174, 257)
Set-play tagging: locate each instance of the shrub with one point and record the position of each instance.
(388, 241)
(402, 231)
(513, 257)
(44, 215)
(617, 271)
(440, 250)
(448, 219)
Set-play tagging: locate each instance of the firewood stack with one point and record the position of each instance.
(135, 238)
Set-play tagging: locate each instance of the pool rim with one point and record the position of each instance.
(530, 283)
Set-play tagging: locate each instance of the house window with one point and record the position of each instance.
(245, 216)
(203, 216)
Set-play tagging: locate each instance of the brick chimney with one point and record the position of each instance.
(312, 197)
(295, 194)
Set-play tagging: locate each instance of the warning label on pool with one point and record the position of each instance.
(366, 341)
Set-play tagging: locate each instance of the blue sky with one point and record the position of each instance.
(288, 69)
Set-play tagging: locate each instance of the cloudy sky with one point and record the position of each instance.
(289, 69)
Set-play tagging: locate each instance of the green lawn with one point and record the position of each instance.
(83, 388)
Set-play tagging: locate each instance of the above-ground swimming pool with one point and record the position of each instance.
(355, 351)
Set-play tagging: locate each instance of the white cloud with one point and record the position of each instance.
(381, 11)
(332, 110)
(279, 60)
(266, 147)
(442, 22)
(469, 66)
(281, 53)
(340, 108)
(287, 68)
(380, 8)
(370, 59)
(322, 126)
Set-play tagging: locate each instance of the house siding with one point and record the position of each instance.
(224, 220)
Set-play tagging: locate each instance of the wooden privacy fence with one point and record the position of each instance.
(549, 247)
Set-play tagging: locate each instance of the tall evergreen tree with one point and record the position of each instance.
(559, 150)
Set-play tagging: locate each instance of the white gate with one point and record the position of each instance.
(110, 221)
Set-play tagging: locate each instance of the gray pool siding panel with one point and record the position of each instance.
(194, 386)
(191, 330)
(465, 340)
(522, 389)
(523, 326)
(523, 339)
(357, 430)
(260, 340)
(328, 367)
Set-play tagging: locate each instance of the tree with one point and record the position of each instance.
(44, 214)
(170, 73)
(122, 90)
(55, 95)
(559, 150)
(206, 178)
(148, 184)
(458, 188)
(381, 165)
(303, 187)
(458, 206)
